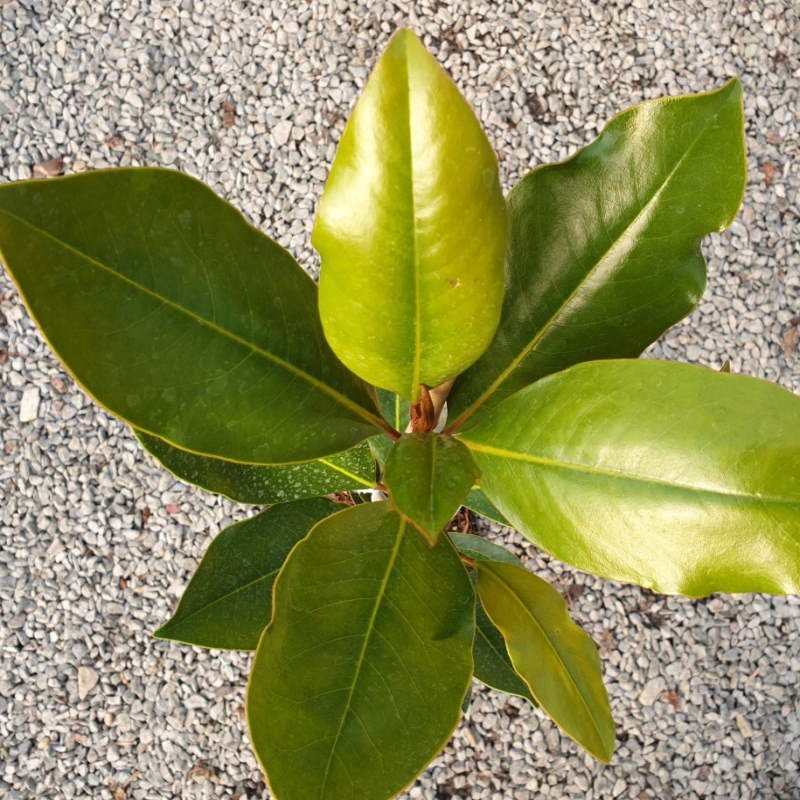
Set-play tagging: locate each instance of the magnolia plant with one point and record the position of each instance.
(462, 350)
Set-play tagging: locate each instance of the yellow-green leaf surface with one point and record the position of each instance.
(411, 229)
(604, 251)
(675, 477)
(228, 601)
(359, 679)
(179, 317)
(264, 485)
(429, 476)
(556, 659)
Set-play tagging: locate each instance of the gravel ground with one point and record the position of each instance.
(97, 542)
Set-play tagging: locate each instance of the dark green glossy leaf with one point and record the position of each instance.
(264, 485)
(492, 663)
(411, 227)
(675, 477)
(228, 601)
(178, 316)
(477, 501)
(359, 679)
(604, 251)
(380, 447)
(395, 410)
(557, 660)
(428, 476)
(479, 548)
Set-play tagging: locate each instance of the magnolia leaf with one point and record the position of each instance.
(556, 659)
(264, 485)
(179, 317)
(604, 254)
(411, 225)
(428, 476)
(479, 548)
(395, 410)
(676, 477)
(477, 501)
(359, 679)
(228, 601)
(492, 663)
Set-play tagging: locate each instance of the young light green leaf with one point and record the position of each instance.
(264, 485)
(411, 225)
(428, 476)
(228, 601)
(604, 252)
(359, 679)
(675, 477)
(179, 317)
(556, 659)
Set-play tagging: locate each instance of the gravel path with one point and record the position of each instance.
(97, 542)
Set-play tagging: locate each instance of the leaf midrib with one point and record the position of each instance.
(362, 654)
(552, 647)
(415, 273)
(606, 472)
(357, 478)
(547, 325)
(315, 383)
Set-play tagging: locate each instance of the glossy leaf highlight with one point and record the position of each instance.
(179, 317)
(359, 679)
(675, 477)
(411, 228)
(604, 252)
(429, 476)
(556, 659)
(228, 601)
(263, 485)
